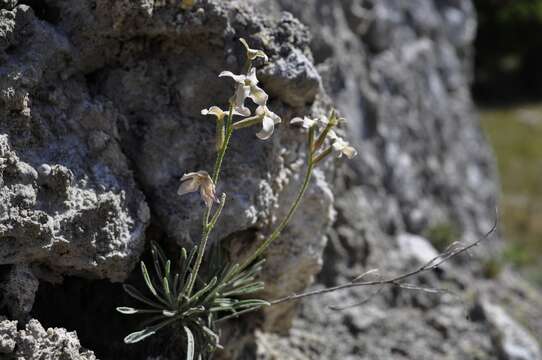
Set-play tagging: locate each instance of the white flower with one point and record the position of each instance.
(218, 112)
(306, 122)
(252, 53)
(322, 121)
(269, 120)
(248, 87)
(266, 117)
(341, 146)
(201, 180)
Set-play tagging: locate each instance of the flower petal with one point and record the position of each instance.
(305, 122)
(268, 125)
(239, 98)
(238, 78)
(214, 110)
(253, 53)
(296, 120)
(258, 95)
(350, 152)
(276, 119)
(208, 192)
(189, 175)
(251, 77)
(188, 186)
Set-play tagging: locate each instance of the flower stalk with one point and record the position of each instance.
(278, 230)
(209, 226)
(176, 298)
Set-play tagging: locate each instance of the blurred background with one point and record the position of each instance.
(508, 91)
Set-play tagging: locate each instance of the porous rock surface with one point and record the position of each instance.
(100, 116)
(34, 342)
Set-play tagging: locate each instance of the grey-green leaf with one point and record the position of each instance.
(189, 344)
(126, 310)
(133, 292)
(148, 279)
(130, 311)
(138, 336)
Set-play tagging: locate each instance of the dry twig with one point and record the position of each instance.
(453, 251)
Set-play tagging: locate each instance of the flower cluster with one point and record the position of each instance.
(323, 127)
(198, 302)
(201, 181)
(246, 88)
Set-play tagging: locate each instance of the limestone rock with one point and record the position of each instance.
(513, 341)
(19, 290)
(100, 117)
(34, 342)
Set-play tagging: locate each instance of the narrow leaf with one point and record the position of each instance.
(145, 333)
(169, 313)
(148, 279)
(175, 284)
(138, 336)
(127, 310)
(167, 292)
(197, 295)
(189, 344)
(130, 311)
(214, 336)
(133, 292)
(193, 311)
(157, 266)
(185, 288)
(251, 288)
(159, 252)
(249, 303)
(168, 269)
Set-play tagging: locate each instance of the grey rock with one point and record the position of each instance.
(416, 249)
(513, 340)
(34, 342)
(19, 290)
(100, 116)
(293, 79)
(8, 329)
(81, 228)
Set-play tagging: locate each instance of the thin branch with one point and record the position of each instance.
(432, 264)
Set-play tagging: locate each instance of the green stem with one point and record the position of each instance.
(276, 233)
(208, 227)
(322, 155)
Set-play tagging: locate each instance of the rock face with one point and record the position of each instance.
(34, 342)
(100, 116)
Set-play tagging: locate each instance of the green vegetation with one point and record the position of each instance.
(507, 61)
(516, 135)
(182, 294)
(442, 235)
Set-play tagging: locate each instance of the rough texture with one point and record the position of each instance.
(34, 342)
(68, 198)
(513, 342)
(100, 116)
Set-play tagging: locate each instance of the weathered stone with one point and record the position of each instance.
(416, 249)
(512, 340)
(34, 342)
(293, 79)
(19, 290)
(8, 329)
(100, 116)
(72, 228)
